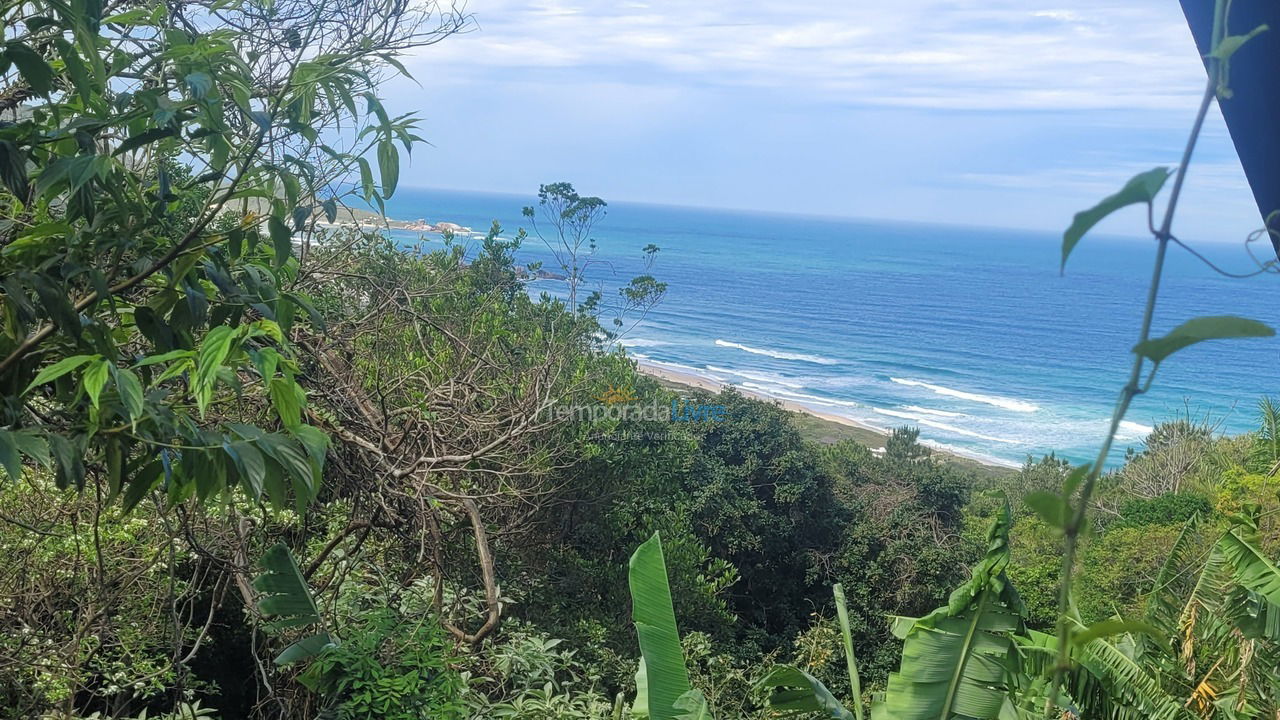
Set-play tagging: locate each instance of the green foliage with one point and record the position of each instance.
(796, 692)
(1167, 509)
(393, 668)
(901, 542)
(668, 679)
(286, 600)
(957, 659)
(1119, 566)
(527, 675)
(765, 504)
(147, 234)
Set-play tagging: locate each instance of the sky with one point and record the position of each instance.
(1007, 113)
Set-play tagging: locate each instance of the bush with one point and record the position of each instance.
(388, 667)
(1167, 509)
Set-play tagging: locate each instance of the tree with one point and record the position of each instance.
(164, 167)
(139, 296)
(570, 218)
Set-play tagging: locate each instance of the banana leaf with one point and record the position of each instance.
(958, 661)
(655, 620)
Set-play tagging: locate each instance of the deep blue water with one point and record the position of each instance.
(969, 334)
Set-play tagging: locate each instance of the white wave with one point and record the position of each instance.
(699, 372)
(778, 353)
(1002, 402)
(1136, 428)
(789, 395)
(642, 342)
(931, 411)
(971, 454)
(943, 426)
(757, 376)
(639, 356)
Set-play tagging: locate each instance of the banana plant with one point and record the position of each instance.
(662, 682)
(958, 660)
(663, 691)
(1225, 625)
(287, 601)
(796, 692)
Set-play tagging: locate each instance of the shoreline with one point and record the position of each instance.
(826, 427)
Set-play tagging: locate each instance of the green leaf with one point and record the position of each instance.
(317, 320)
(953, 659)
(1049, 506)
(261, 119)
(640, 708)
(388, 167)
(1115, 626)
(1253, 569)
(13, 169)
(200, 84)
(69, 462)
(796, 692)
(305, 649)
(281, 240)
(143, 482)
(213, 352)
(1214, 327)
(331, 209)
(296, 463)
(165, 357)
(285, 596)
(846, 637)
(1142, 188)
(33, 444)
(693, 706)
(145, 137)
(1114, 667)
(76, 70)
(32, 66)
(130, 389)
(288, 400)
(1230, 44)
(251, 464)
(58, 369)
(10, 458)
(366, 178)
(95, 378)
(656, 629)
(265, 361)
(128, 17)
(57, 304)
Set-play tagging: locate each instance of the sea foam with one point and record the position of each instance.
(818, 359)
(982, 457)
(943, 426)
(784, 394)
(758, 376)
(931, 411)
(642, 342)
(996, 400)
(1134, 429)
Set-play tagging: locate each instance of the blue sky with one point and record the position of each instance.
(1011, 113)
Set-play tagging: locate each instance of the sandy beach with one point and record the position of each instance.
(679, 378)
(825, 427)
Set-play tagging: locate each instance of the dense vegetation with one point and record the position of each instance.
(260, 465)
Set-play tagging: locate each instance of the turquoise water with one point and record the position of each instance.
(968, 333)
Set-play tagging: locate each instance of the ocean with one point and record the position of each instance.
(969, 334)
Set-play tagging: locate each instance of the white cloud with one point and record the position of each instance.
(1006, 54)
